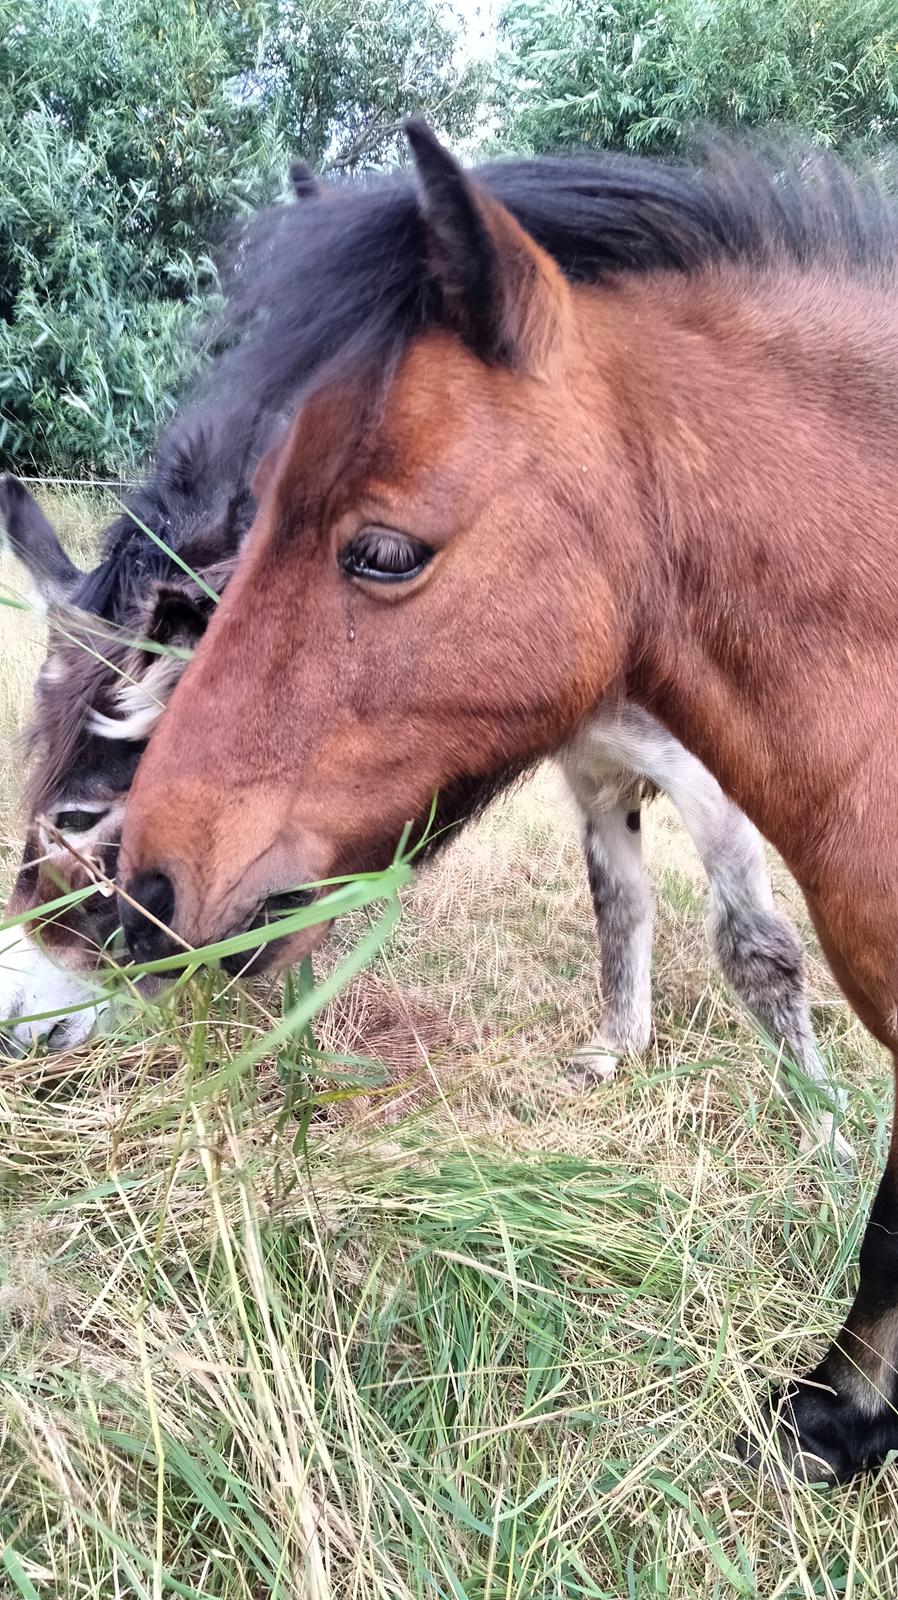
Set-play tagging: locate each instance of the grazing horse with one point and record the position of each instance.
(100, 693)
(576, 427)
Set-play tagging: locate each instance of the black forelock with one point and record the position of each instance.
(342, 281)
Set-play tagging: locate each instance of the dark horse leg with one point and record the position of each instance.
(843, 1417)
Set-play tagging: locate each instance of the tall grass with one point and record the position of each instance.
(394, 1309)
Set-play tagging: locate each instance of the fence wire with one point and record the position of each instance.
(80, 483)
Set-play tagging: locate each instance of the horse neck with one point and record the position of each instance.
(766, 412)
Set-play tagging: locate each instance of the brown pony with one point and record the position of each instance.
(576, 427)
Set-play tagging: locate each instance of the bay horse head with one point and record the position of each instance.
(400, 514)
(484, 504)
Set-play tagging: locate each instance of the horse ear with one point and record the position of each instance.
(303, 181)
(33, 541)
(501, 292)
(176, 616)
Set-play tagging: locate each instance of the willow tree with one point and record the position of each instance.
(131, 133)
(637, 74)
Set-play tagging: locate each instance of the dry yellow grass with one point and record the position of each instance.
(468, 1331)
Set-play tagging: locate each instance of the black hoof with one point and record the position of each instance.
(810, 1433)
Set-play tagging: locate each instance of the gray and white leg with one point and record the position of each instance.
(623, 907)
(758, 949)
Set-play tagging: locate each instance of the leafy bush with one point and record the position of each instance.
(635, 74)
(131, 132)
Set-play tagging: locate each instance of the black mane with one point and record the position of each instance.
(342, 282)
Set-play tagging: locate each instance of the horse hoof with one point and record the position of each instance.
(594, 1064)
(809, 1433)
(825, 1134)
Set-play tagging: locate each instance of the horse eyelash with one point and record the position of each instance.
(373, 552)
(61, 819)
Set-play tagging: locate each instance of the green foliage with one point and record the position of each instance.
(131, 133)
(636, 74)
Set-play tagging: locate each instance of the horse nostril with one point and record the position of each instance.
(156, 893)
(153, 892)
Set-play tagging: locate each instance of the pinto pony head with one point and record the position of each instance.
(419, 610)
(119, 638)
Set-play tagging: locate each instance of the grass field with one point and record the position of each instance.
(425, 1319)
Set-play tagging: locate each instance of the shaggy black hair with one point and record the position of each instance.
(341, 280)
(197, 499)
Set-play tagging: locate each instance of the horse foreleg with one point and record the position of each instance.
(623, 906)
(843, 1417)
(758, 949)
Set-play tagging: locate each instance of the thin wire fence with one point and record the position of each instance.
(80, 483)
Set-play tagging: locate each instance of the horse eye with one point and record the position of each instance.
(77, 821)
(383, 556)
